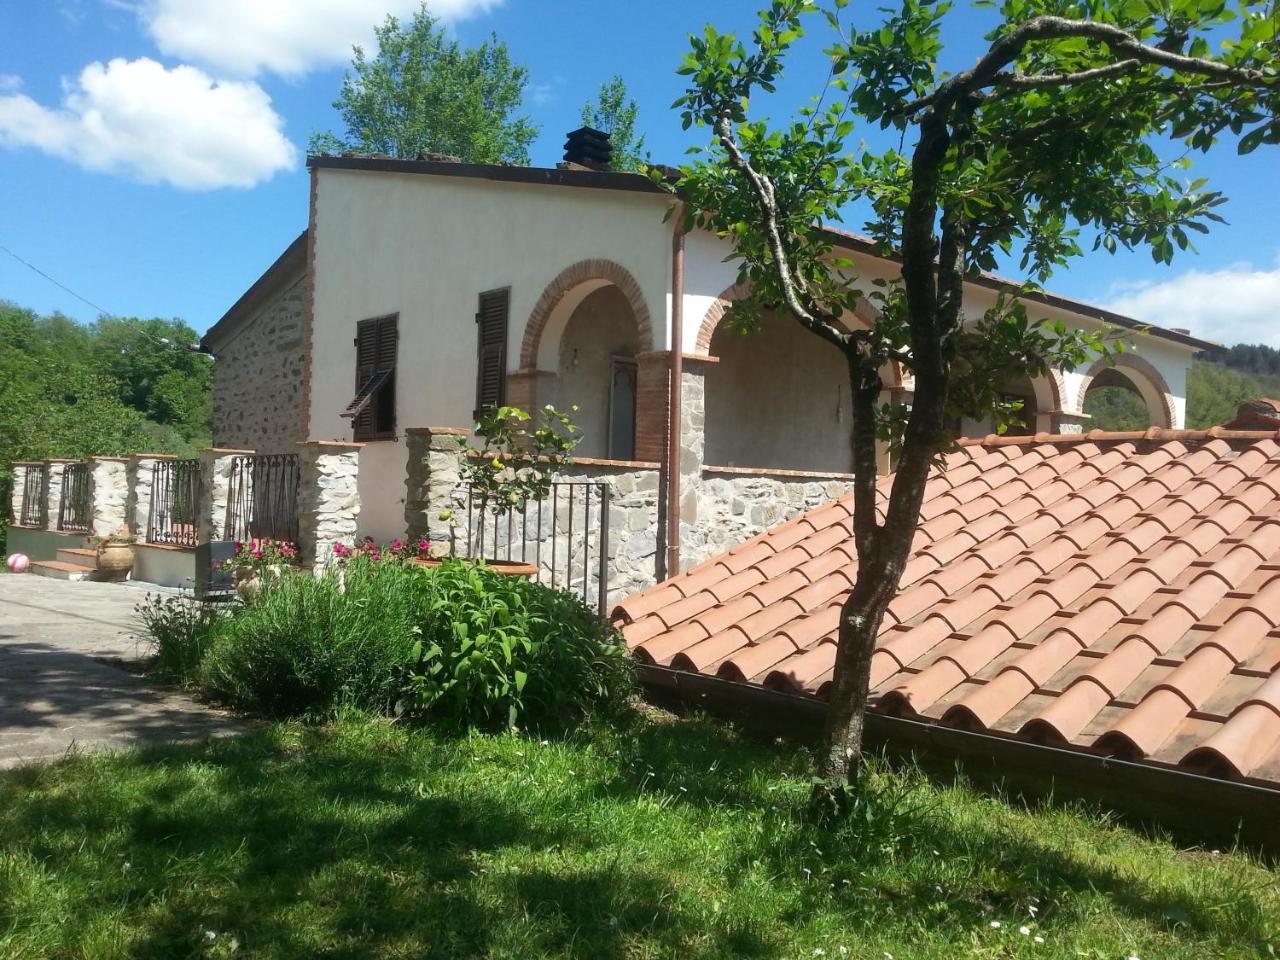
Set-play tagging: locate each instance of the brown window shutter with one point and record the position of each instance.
(373, 411)
(384, 412)
(366, 367)
(491, 340)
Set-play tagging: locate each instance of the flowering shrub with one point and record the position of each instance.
(261, 554)
(395, 550)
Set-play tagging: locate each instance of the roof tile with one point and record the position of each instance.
(1117, 593)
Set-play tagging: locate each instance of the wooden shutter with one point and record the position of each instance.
(491, 341)
(366, 367)
(373, 409)
(384, 403)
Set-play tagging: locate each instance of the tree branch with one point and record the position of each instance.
(988, 71)
(1020, 81)
(793, 287)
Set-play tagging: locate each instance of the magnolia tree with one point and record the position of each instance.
(1049, 138)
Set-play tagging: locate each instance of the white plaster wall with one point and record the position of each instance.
(383, 467)
(164, 567)
(426, 247)
(778, 398)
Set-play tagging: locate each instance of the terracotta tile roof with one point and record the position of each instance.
(1113, 592)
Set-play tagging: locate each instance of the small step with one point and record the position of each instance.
(57, 570)
(80, 556)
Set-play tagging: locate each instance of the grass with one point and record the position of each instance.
(655, 838)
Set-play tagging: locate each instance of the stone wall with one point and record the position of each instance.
(328, 498)
(258, 377)
(109, 496)
(737, 503)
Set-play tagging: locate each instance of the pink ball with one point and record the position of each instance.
(18, 562)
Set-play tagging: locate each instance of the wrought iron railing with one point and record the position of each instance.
(566, 536)
(35, 498)
(175, 492)
(263, 499)
(75, 504)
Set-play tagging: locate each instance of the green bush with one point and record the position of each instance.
(309, 646)
(180, 630)
(496, 650)
(460, 643)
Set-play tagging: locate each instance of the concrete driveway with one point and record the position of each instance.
(61, 685)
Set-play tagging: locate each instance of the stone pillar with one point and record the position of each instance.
(693, 445)
(653, 374)
(328, 498)
(142, 472)
(432, 485)
(1066, 421)
(108, 496)
(53, 491)
(215, 492)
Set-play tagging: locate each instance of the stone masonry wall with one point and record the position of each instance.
(735, 504)
(258, 378)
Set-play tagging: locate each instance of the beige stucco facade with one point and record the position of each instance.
(589, 273)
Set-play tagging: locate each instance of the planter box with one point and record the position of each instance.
(510, 568)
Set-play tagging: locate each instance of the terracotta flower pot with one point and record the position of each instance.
(115, 558)
(510, 568)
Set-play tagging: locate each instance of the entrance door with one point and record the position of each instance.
(622, 408)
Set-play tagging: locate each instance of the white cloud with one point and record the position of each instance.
(1237, 304)
(287, 37)
(136, 118)
(10, 82)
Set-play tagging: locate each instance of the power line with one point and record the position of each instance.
(62, 286)
(163, 341)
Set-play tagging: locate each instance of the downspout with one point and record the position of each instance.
(672, 566)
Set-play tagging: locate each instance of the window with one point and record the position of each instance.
(491, 349)
(622, 408)
(373, 411)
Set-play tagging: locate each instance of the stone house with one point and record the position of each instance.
(422, 290)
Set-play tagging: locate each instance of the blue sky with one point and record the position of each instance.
(151, 151)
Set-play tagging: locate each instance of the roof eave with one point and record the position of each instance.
(286, 266)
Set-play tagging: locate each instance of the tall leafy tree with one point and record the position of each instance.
(423, 93)
(1046, 138)
(615, 113)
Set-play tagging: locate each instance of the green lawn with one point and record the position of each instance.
(663, 839)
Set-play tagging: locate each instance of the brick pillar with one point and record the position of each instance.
(53, 491)
(215, 491)
(432, 485)
(108, 496)
(328, 498)
(15, 492)
(142, 473)
(653, 374)
(527, 389)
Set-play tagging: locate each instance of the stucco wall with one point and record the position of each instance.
(778, 398)
(425, 248)
(257, 377)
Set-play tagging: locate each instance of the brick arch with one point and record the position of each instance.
(584, 271)
(715, 313)
(1137, 369)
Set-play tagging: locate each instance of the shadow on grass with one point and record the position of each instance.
(904, 816)
(320, 842)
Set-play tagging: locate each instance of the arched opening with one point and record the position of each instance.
(1129, 395)
(778, 398)
(595, 369)
(1114, 402)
